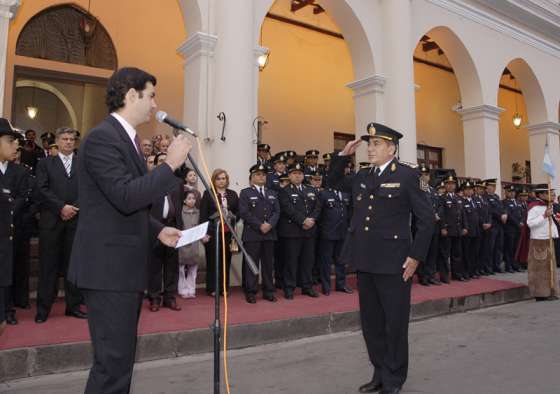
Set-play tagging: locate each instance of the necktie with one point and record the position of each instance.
(261, 190)
(67, 165)
(377, 171)
(138, 147)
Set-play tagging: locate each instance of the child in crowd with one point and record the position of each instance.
(190, 256)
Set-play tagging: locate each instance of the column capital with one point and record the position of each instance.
(365, 86)
(483, 111)
(544, 128)
(199, 44)
(8, 8)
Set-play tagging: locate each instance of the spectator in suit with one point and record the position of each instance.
(164, 264)
(147, 148)
(230, 207)
(57, 194)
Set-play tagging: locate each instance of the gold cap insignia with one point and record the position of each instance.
(371, 130)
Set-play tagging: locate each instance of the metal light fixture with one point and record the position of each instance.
(32, 110)
(517, 117)
(262, 60)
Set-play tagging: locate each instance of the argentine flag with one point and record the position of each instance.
(547, 165)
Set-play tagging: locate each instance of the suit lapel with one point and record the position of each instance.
(140, 164)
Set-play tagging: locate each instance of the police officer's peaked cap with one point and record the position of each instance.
(7, 129)
(441, 185)
(377, 130)
(327, 156)
(295, 167)
(290, 153)
(265, 147)
(490, 182)
(284, 177)
(424, 169)
(468, 184)
(312, 153)
(279, 158)
(450, 179)
(364, 164)
(257, 168)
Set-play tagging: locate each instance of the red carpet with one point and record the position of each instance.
(199, 312)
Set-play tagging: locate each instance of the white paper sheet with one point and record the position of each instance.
(192, 235)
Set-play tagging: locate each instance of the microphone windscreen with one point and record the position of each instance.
(160, 116)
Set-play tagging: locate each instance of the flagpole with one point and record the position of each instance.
(551, 242)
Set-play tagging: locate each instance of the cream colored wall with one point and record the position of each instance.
(302, 91)
(436, 124)
(514, 143)
(147, 38)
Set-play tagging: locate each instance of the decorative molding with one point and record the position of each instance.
(199, 44)
(544, 128)
(8, 8)
(484, 111)
(363, 87)
(479, 16)
(259, 51)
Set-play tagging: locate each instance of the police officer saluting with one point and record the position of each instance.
(381, 248)
(260, 211)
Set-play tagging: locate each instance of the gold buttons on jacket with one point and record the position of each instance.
(11, 238)
(367, 218)
(371, 196)
(390, 196)
(370, 207)
(395, 236)
(366, 228)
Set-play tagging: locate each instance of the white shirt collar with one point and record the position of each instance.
(382, 167)
(4, 166)
(131, 131)
(63, 156)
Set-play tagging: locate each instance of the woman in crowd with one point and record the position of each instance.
(229, 202)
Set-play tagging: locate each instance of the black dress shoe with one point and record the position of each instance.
(270, 297)
(510, 270)
(345, 289)
(326, 292)
(40, 318)
(445, 279)
(434, 281)
(289, 294)
(310, 292)
(172, 304)
(371, 387)
(552, 298)
(11, 319)
(394, 390)
(77, 313)
(424, 282)
(251, 299)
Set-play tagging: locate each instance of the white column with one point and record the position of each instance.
(481, 130)
(234, 91)
(398, 69)
(539, 134)
(5, 16)
(368, 106)
(198, 52)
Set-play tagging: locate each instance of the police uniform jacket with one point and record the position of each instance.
(335, 211)
(379, 239)
(7, 206)
(514, 210)
(495, 208)
(295, 207)
(273, 181)
(472, 221)
(437, 207)
(453, 216)
(483, 209)
(16, 179)
(256, 209)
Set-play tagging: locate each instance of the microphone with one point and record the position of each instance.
(162, 117)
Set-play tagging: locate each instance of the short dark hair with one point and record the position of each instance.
(122, 81)
(30, 131)
(158, 156)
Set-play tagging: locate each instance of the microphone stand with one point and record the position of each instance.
(217, 327)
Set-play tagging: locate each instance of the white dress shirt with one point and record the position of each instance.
(382, 167)
(131, 131)
(539, 224)
(4, 166)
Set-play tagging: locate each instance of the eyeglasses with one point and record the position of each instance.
(222, 178)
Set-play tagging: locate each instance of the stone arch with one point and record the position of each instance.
(193, 16)
(461, 62)
(67, 33)
(531, 88)
(27, 83)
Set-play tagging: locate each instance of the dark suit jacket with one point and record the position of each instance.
(7, 204)
(176, 196)
(295, 207)
(115, 231)
(334, 220)
(255, 209)
(54, 190)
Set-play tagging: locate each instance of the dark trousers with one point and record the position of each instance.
(164, 269)
(210, 248)
(113, 323)
(497, 252)
(55, 247)
(279, 264)
(22, 267)
(299, 258)
(3, 291)
(432, 264)
(450, 250)
(384, 313)
(484, 253)
(511, 240)
(261, 252)
(471, 250)
(329, 253)
(557, 251)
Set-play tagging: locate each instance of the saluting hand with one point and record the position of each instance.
(169, 236)
(409, 266)
(351, 147)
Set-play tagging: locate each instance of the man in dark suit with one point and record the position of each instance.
(164, 265)
(57, 194)
(109, 261)
(512, 228)
(300, 209)
(31, 152)
(260, 210)
(381, 248)
(470, 241)
(8, 148)
(499, 218)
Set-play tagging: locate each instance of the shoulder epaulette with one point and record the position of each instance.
(411, 165)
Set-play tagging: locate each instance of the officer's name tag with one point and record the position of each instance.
(312, 195)
(294, 195)
(253, 198)
(391, 185)
(362, 186)
(6, 191)
(271, 197)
